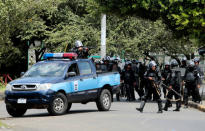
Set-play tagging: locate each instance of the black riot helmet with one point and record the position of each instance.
(151, 64)
(191, 64)
(174, 63)
(78, 43)
(196, 60)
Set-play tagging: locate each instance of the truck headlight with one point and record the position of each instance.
(9, 87)
(44, 86)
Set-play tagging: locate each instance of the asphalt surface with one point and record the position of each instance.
(121, 117)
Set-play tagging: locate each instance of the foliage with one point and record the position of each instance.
(59, 23)
(184, 17)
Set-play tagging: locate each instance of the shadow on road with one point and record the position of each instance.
(48, 115)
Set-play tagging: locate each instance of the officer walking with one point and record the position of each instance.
(192, 84)
(174, 86)
(129, 80)
(166, 75)
(153, 81)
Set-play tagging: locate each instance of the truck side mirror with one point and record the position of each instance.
(22, 73)
(70, 74)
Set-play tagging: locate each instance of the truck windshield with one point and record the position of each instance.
(46, 70)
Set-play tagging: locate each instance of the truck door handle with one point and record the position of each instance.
(81, 79)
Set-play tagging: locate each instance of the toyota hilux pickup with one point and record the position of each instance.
(57, 82)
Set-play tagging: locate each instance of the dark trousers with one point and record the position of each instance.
(151, 90)
(177, 98)
(130, 92)
(139, 90)
(191, 90)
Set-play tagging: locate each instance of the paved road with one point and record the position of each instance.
(122, 116)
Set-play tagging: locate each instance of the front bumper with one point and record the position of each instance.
(34, 99)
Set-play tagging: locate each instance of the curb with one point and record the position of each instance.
(197, 106)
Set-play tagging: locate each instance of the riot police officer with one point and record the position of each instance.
(191, 79)
(153, 81)
(116, 68)
(201, 73)
(174, 86)
(80, 50)
(184, 62)
(129, 80)
(135, 68)
(166, 77)
(142, 80)
(106, 66)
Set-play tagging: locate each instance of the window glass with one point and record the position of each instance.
(46, 70)
(74, 68)
(85, 68)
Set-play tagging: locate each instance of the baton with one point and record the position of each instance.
(172, 89)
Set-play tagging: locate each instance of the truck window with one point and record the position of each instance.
(74, 68)
(85, 68)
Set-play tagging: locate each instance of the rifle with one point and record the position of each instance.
(157, 88)
(172, 90)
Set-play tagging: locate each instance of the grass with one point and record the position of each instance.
(2, 87)
(2, 125)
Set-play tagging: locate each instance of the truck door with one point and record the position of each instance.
(89, 78)
(77, 93)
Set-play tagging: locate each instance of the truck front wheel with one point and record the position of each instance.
(58, 105)
(15, 112)
(104, 100)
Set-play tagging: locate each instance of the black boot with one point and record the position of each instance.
(166, 106)
(160, 107)
(178, 105)
(141, 106)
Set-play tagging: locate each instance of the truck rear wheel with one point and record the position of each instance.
(15, 112)
(58, 105)
(104, 101)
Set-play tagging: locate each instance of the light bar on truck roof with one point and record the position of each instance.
(60, 55)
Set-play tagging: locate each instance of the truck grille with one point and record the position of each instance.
(24, 87)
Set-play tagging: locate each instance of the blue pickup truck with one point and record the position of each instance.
(57, 82)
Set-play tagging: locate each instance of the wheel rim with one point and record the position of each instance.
(58, 104)
(106, 100)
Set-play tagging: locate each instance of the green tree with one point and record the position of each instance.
(184, 17)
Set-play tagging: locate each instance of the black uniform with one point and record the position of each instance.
(129, 79)
(191, 79)
(152, 87)
(175, 84)
(82, 53)
(142, 80)
(116, 68)
(135, 68)
(201, 73)
(166, 74)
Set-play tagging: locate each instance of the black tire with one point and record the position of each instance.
(69, 106)
(58, 105)
(104, 100)
(15, 112)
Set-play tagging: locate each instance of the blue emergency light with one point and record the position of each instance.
(60, 55)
